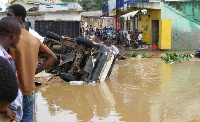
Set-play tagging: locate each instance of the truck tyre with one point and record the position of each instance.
(52, 35)
(68, 77)
(81, 40)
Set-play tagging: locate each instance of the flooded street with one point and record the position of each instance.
(138, 90)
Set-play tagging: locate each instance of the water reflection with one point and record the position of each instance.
(139, 90)
(82, 102)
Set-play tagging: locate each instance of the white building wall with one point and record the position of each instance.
(59, 7)
(3, 5)
(109, 21)
(150, 5)
(27, 6)
(66, 16)
(3, 14)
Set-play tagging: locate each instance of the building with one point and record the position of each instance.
(172, 24)
(92, 18)
(60, 18)
(3, 5)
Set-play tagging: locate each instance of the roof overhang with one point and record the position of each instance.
(130, 14)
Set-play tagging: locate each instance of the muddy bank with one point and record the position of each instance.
(44, 78)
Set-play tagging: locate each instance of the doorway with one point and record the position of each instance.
(135, 23)
(155, 32)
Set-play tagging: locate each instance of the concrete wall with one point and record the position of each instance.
(191, 10)
(57, 7)
(185, 33)
(26, 5)
(3, 5)
(94, 21)
(62, 15)
(148, 5)
(2, 14)
(109, 21)
(145, 24)
(56, 16)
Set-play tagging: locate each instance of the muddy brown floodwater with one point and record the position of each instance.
(138, 90)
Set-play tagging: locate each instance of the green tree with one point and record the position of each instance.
(92, 5)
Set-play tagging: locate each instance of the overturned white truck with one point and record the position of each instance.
(80, 59)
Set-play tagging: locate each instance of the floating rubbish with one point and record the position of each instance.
(76, 82)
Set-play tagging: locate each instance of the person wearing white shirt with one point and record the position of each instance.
(140, 39)
(33, 32)
(128, 38)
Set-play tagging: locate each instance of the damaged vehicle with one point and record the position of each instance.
(80, 59)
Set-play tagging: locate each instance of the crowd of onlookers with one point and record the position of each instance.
(19, 53)
(108, 36)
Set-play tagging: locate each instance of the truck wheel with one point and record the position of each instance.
(68, 77)
(52, 35)
(81, 40)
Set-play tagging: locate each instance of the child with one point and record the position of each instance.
(8, 89)
(10, 31)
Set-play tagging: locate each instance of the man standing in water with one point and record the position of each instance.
(26, 55)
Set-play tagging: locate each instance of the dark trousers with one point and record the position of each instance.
(119, 41)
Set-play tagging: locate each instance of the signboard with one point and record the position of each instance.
(114, 12)
(111, 6)
(125, 6)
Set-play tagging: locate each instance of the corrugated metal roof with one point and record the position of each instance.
(130, 14)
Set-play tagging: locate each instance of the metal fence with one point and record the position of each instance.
(62, 28)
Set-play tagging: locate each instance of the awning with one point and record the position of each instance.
(130, 14)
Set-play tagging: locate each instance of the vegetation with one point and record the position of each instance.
(175, 57)
(90, 5)
(169, 58)
(144, 55)
(132, 54)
